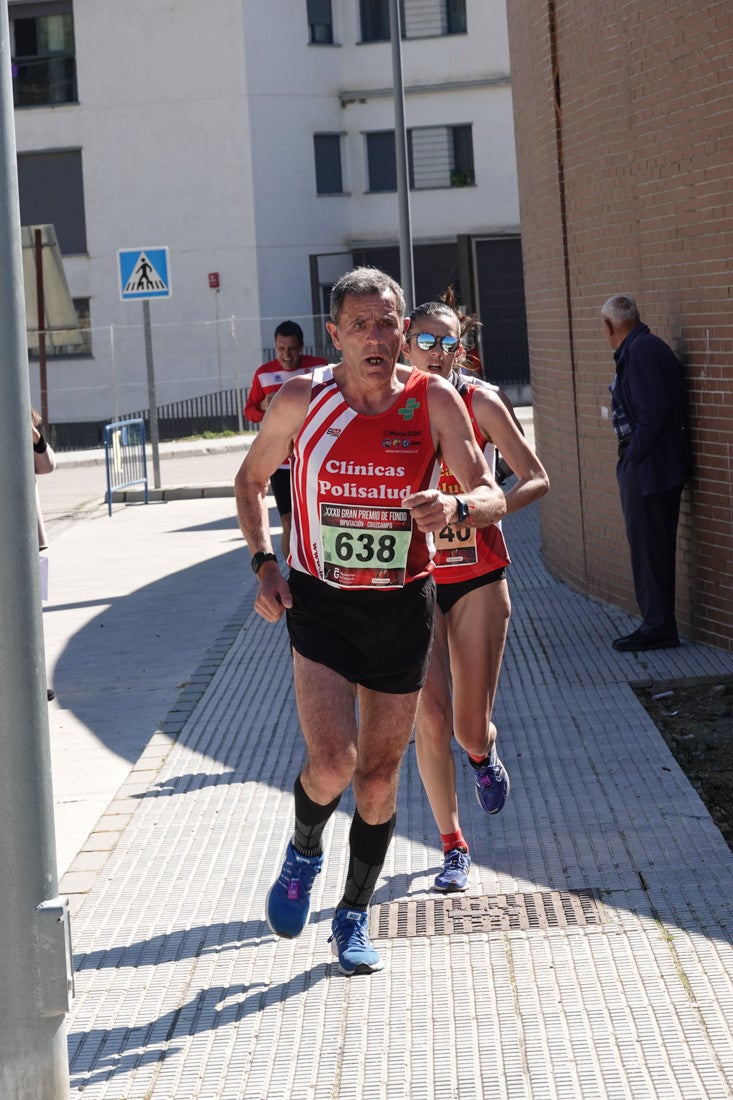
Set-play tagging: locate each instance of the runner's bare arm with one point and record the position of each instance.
(497, 424)
(270, 447)
(455, 442)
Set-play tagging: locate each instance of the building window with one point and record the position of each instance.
(79, 350)
(438, 156)
(418, 19)
(381, 161)
(83, 314)
(320, 22)
(432, 18)
(52, 192)
(327, 149)
(455, 17)
(374, 20)
(430, 151)
(462, 171)
(42, 46)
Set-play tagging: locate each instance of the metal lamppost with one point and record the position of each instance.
(35, 950)
(407, 278)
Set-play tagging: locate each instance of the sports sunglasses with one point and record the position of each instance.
(426, 342)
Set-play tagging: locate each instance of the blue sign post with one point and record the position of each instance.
(144, 274)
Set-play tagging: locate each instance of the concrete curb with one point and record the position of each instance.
(182, 449)
(172, 492)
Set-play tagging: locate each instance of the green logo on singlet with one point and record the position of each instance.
(409, 408)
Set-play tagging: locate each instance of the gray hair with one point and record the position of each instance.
(362, 281)
(620, 310)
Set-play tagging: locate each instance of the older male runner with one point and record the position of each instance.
(360, 598)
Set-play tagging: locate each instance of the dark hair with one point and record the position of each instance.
(362, 281)
(468, 323)
(432, 309)
(289, 328)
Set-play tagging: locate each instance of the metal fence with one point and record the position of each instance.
(202, 374)
(209, 412)
(192, 363)
(215, 413)
(124, 455)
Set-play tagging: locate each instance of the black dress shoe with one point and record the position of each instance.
(638, 641)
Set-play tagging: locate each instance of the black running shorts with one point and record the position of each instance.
(280, 485)
(450, 594)
(381, 640)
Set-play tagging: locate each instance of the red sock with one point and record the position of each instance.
(453, 840)
(478, 759)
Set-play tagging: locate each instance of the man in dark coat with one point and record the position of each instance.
(649, 414)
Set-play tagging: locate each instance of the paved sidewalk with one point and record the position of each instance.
(135, 601)
(591, 959)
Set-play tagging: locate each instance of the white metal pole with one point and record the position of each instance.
(237, 390)
(35, 972)
(152, 401)
(115, 390)
(218, 341)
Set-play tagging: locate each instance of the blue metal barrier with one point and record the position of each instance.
(125, 458)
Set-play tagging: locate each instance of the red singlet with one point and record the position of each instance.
(349, 475)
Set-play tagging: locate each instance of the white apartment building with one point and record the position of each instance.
(255, 140)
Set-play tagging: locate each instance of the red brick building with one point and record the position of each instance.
(624, 130)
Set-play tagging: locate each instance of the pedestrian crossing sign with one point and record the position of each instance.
(144, 273)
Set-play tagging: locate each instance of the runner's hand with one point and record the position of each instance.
(273, 594)
(431, 510)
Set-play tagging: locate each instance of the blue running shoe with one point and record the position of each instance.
(492, 784)
(288, 902)
(350, 938)
(454, 876)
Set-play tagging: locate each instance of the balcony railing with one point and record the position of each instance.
(45, 81)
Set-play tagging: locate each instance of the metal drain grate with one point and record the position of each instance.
(489, 913)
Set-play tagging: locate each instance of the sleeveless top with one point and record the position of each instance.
(466, 552)
(271, 377)
(349, 473)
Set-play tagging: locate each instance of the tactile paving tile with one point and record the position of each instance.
(184, 994)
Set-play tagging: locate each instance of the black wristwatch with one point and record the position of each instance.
(259, 559)
(462, 514)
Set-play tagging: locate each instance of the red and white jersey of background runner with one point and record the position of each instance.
(350, 473)
(464, 553)
(268, 379)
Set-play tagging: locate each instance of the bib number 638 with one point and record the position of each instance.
(365, 547)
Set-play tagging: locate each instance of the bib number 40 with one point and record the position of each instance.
(450, 534)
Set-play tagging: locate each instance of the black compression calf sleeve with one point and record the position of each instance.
(310, 821)
(368, 844)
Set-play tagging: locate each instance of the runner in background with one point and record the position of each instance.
(268, 378)
(473, 609)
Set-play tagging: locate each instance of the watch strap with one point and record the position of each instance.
(462, 510)
(259, 559)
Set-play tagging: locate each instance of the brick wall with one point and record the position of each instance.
(624, 132)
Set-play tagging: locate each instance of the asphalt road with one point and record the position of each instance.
(78, 486)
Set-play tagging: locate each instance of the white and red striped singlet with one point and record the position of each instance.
(349, 474)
